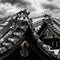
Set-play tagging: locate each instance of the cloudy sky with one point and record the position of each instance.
(37, 7)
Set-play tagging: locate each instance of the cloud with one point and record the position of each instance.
(50, 0)
(16, 1)
(50, 7)
(8, 7)
(19, 3)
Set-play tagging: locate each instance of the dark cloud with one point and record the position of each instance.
(50, 0)
(2, 12)
(50, 7)
(21, 2)
(9, 1)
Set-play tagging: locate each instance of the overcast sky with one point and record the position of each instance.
(37, 7)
